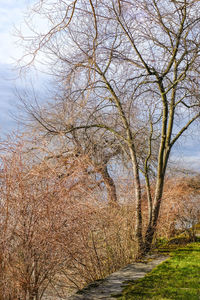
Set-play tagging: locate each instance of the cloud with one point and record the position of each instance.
(189, 163)
(11, 14)
(187, 159)
(10, 88)
(7, 98)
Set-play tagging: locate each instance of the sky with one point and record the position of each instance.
(187, 153)
(11, 14)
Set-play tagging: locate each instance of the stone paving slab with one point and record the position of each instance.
(115, 283)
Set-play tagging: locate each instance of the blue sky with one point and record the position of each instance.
(11, 14)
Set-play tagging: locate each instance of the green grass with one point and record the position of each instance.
(177, 278)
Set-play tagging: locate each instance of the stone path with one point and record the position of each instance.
(115, 283)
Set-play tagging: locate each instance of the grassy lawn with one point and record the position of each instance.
(177, 278)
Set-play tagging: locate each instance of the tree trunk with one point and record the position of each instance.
(152, 225)
(138, 197)
(110, 185)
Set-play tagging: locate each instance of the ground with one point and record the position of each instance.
(176, 278)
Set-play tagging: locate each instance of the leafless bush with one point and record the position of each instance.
(180, 210)
(55, 234)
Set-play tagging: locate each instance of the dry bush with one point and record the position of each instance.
(55, 234)
(180, 210)
(106, 246)
(37, 208)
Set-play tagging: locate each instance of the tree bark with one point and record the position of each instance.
(138, 197)
(110, 185)
(151, 229)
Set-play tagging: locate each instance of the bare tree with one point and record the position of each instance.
(101, 149)
(133, 68)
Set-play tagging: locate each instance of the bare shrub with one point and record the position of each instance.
(55, 234)
(180, 210)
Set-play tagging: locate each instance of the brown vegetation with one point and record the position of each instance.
(58, 229)
(180, 210)
(55, 234)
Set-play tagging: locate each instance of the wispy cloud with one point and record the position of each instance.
(186, 155)
(11, 14)
(7, 98)
(187, 162)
